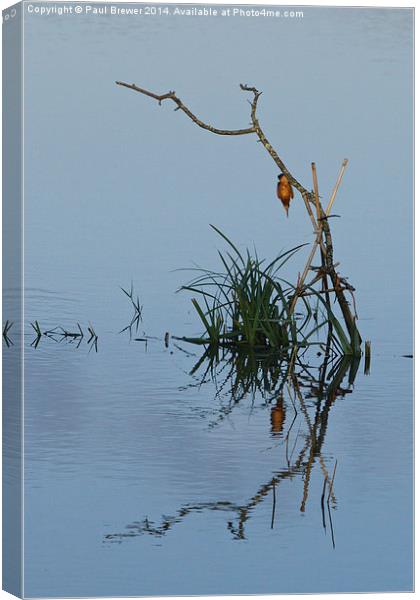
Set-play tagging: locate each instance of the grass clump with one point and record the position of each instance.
(247, 304)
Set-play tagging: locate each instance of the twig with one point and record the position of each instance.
(301, 282)
(310, 212)
(323, 252)
(337, 185)
(316, 191)
(323, 291)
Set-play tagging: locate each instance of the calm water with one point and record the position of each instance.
(139, 480)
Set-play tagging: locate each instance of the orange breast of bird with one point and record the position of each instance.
(284, 192)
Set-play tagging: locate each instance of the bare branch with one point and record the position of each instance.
(172, 96)
(269, 147)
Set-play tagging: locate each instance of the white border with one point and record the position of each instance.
(360, 3)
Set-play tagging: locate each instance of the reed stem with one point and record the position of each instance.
(337, 185)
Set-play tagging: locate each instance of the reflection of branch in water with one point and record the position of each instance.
(331, 525)
(327, 478)
(138, 528)
(317, 430)
(322, 503)
(273, 513)
(242, 375)
(269, 378)
(243, 512)
(147, 527)
(330, 495)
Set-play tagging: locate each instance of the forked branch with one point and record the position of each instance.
(256, 127)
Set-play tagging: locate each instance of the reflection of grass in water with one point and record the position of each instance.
(367, 357)
(59, 334)
(240, 375)
(6, 329)
(245, 373)
(37, 328)
(248, 306)
(137, 317)
(311, 390)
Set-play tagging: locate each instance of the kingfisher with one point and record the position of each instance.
(284, 191)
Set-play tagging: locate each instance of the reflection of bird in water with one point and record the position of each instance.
(284, 191)
(278, 415)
